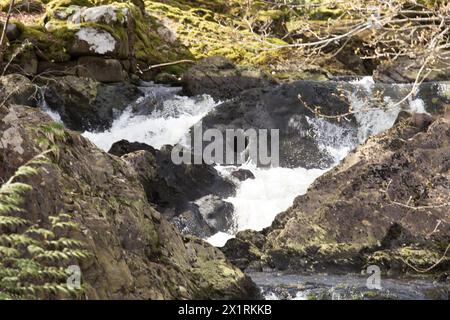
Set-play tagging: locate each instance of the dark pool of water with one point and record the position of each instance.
(346, 287)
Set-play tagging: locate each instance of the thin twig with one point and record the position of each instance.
(168, 64)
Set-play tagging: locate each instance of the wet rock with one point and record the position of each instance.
(245, 249)
(216, 212)
(220, 78)
(280, 108)
(18, 89)
(167, 78)
(405, 70)
(85, 104)
(12, 32)
(243, 174)
(124, 147)
(135, 253)
(187, 194)
(102, 70)
(421, 121)
(191, 221)
(381, 205)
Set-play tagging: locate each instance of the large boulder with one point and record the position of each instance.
(313, 118)
(406, 70)
(187, 194)
(23, 60)
(92, 41)
(85, 104)
(105, 30)
(246, 249)
(134, 252)
(216, 212)
(102, 70)
(385, 204)
(220, 78)
(18, 89)
(280, 108)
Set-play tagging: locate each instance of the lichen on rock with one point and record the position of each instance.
(134, 252)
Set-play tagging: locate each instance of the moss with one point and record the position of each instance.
(265, 16)
(199, 30)
(50, 46)
(54, 4)
(324, 13)
(401, 259)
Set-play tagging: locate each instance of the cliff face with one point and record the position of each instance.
(387, 203)
(135, 253)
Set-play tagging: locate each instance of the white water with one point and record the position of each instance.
(258, 200)
(168, 126)
(44, 105)
(374, 120)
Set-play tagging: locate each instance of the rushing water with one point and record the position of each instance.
(276, 286)
(258, 201)
(166, 126)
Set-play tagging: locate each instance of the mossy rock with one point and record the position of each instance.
(50, 46)
(23, 6)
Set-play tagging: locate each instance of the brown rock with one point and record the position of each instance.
(100, 69)
(221, 79)
(385, 203)
(135, 253)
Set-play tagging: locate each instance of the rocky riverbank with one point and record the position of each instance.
(135, 253)
(386, 204)
(96, 94)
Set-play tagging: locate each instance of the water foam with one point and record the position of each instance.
(166, 126)
(376, 117)
(257, 201)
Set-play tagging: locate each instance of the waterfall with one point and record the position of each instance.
(44, 106)
(372, 118)
(257, 201)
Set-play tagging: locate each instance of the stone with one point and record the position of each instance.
(216, 212)
(188, 195)
(385, 203)
(279, 107)
(421, 120)
(168, 79)
(58, 68)
(12, 32)
(245, 249)
(133, 255)
(105, 14)
(405, 70)
(29, 6)
(86, 104)
(18, 89)
(91, 41)
(243, 174)
(25, 62)
(220, 78)
(100, 69)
